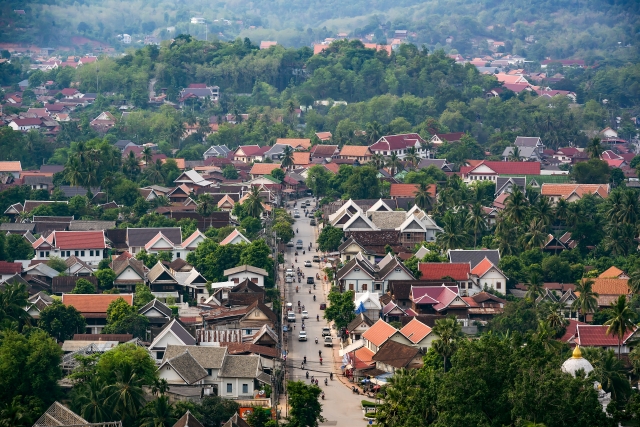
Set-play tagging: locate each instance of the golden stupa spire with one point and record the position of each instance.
(577, 354)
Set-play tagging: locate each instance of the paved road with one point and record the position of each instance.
(340, 407)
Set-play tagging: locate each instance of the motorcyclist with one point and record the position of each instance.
(307, 374)
(326, 382)
(316, 340)
(317, 317)
(314, 297)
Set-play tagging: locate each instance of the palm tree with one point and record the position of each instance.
(516, 206)
(377, 160)
(131, 165)
(629, 208)
(587, 301)
(154, 173)
(514, 156)
(634, 280)
(160, 386)
(125, 396)
(544, 210)
(14, 414)
(374, 132)
(621, 319)
(147, 155)
(206, 206)
(423, 199)
(412, 157)
(393, 164)
(159, 413)
(453, 235)
(287, 157)
(449, 332)
(477, 221)
(13, 300)
(561, 210)
(553, 316)
(536, 234)
(89, 400)
(73, 172)
(534, 286)
(594, 148)
(609, 371)
(253, 204)
(546, 334)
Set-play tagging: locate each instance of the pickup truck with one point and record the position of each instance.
(328, 341)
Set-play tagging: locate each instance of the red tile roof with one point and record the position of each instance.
(79, 239)
(250, 150)
(506, 168)
(437, 296)
(596, 336)
(482, 267)
(415, 331)
(28, 122)
(379, 332)
(438, 270)
(10, 267)
(450, 137)
(571, 330)
(364, 358)
(264, 168)
(409, 190)
(397, 142)
(332, 167)
(610, 286)
(94, 303)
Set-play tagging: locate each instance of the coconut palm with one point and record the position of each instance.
(13, 300)
(125, 396)
(253, 204)
(634, 280)
(377, 160)
(621, 319)
(423, 198)
(449, 332)
(614, 206)
(544, 210)
(514, 156)
(206, 206)
(73, 172)
(131, 165)
(159, 413)
(609, 371)
(14, 414)
(147, 155)
(89, 400)
(516, 206)
(629, 208)
(453, 235)
(587, 301)
(287, 157)
(536, 234)
(594, 148)
(374, 132)
(393, 164)
(552, 315)
(546, 335)
(154, 173)
(412, 156)
(477, 221)
(561, 210)
(160, 386)
(534, 286)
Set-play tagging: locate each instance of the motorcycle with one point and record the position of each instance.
(316, 340)
(300, 281)
(309, 288)
(321, 360)
(296, 289)
(314, 297)
(322, 396)
(326, 382)
(318, 317)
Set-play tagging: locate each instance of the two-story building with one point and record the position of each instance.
(88, 246)
(399, 145)
(242, 272)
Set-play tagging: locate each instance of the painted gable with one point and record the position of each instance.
(168, 338)
(458, 302)
(161, 244)
(483, 170)
(360, 223)
(154, 313)
(129, 274)
(413, 226)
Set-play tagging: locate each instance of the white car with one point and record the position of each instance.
(302, 336)
(290, 272)
(307, 263)
(288, 279)
(305, 314)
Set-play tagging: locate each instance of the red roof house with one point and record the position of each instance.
(438, 270)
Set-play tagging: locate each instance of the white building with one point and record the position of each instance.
(254, 274)
(88, 246)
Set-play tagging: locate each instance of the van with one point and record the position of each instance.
(291, 316)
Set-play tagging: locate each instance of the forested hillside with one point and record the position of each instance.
(594, 29)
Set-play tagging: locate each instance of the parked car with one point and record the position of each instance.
(296, 215)
(290, 243)
(307, 263)
(288, 279)
(303, 336)
(316, 258)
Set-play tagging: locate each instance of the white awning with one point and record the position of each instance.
(351, 347)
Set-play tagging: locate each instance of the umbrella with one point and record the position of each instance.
(365, 381)
(348, 366)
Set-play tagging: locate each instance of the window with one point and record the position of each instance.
(209, 372)
(90, 253)
(247, 331)
(159, 355)
(377, 286)
(364, 286)
(41, 254)
(76, 253)
(348, 257)
(408, 235)
(350, 286)
(356, 269)
(98, 253)
(47, 253)
(229, 388)
(245, 388)
(81, 253)
(498, 285)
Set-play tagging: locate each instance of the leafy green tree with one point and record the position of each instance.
(362, 184)
(143, 296)
(287, 157)
(304, 407)
(17, 247)
(341, 308)
(215, 410)
(83, 286)
(105, 277)
(251, 225)
(253, 203)
(595, 171)
(229, 172)
(57, 264)
(449, 332)
(158, 413)
(30, 367)
(88, 399)
(126, 357)
(61, 321)
(330, 238)
(123, 318)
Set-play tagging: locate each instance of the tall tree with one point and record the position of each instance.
(477, 221)
(253, 204)
(393, 163)
(621, 320)
(449, 332)
(62, 321)
(206, 206)
(304, 406)
(287, 157)
(587, 301)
